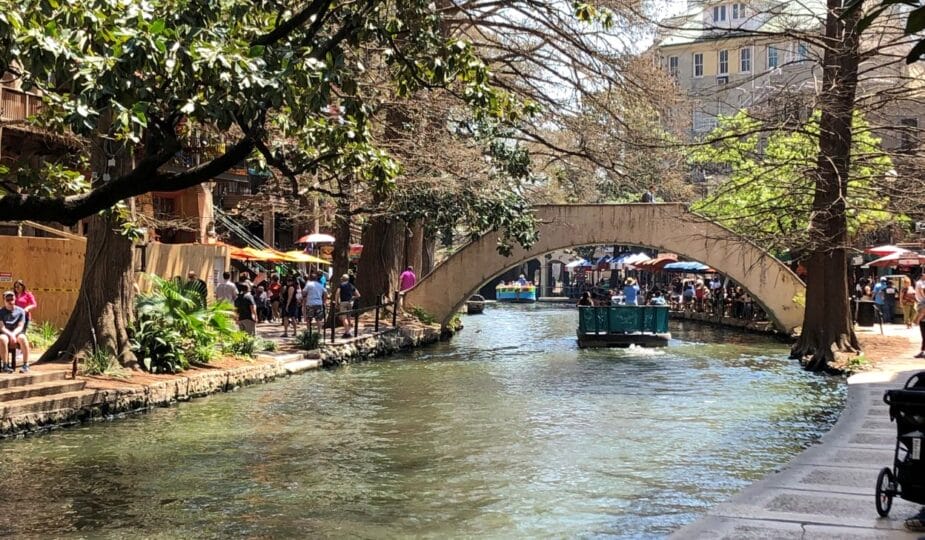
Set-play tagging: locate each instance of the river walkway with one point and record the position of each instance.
(827, 491)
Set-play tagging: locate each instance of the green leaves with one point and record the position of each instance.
(767, 183)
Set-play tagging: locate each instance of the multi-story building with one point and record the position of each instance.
(763, 55)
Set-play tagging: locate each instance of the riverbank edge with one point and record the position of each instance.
(97, 404)
(755, 327)
(829, 486)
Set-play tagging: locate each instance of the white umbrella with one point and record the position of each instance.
(316, 238)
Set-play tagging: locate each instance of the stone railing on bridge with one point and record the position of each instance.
(667, 227)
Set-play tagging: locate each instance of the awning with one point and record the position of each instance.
(577, 263)
(301, 256)
(900, 258)
(880, 251)
(251, 254)
(656, 264)
(690, 267)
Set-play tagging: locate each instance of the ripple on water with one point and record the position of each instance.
(507, 430)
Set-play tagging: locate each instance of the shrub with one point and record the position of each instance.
(42, 336)
(158, 347)
(422, 315)
(267, 345)
(174, 326)
(102, 362)
(242, 344)
(307, 340)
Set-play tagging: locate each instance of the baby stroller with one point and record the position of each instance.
(907, 477)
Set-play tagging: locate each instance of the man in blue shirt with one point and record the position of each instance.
(314, 296)
(13, 332)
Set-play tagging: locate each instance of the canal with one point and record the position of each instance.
(506, 431)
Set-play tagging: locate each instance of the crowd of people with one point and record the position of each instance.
(696, 295)
(15, 315)
(296, 299)
(889, 292)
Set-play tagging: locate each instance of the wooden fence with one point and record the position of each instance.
(52, 269)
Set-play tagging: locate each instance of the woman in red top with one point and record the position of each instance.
(25, 300)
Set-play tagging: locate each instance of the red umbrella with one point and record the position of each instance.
(899, 258)
(880, 251)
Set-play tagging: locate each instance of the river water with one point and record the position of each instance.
(506, 431)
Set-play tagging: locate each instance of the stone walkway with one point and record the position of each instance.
(828, 490)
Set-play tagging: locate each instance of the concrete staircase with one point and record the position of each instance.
(41, 391)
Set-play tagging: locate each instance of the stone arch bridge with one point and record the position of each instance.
(667, 227)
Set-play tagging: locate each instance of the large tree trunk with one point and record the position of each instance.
(414, 248)
(104, 308)
(342, 221)
(827, 326)
(428, 254)
(382, 258)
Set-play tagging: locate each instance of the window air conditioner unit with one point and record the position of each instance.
(920, 226)
(722, 79)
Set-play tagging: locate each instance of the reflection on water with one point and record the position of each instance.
(507, 431)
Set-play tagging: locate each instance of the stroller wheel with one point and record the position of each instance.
(886, 489)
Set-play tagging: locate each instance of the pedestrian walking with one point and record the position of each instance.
(345, 296)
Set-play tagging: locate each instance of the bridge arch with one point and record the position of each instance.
(667, 227)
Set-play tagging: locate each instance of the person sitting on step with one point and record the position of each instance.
(13, 332)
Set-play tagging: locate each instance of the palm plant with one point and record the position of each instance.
(175, 324)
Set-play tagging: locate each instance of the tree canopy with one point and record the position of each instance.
(136, 75)
(767, 189)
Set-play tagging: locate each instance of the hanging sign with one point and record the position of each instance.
(6, 277)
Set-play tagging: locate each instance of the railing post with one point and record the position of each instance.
(395, 309)
(378, 307)
(333, 319)
(356, 322)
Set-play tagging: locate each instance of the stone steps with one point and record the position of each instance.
(48, 388)
(33, 377)
(66, 400)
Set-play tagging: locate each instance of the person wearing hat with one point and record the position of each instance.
(13, 332)
(345, 295)
(630, 292)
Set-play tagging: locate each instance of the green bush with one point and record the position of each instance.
(42, 336)
(158, 347)
(175, 326)
(267, 345)
(102, 362)
(242, 344)
(422, 315)
(307, 341)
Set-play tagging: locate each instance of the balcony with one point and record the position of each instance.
(17, 106)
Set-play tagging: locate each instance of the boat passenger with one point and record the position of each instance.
(657, 299)
(522, 280)
(630, 291)
(585, 300)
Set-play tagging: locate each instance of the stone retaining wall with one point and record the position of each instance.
(759, 327)
(94, 404)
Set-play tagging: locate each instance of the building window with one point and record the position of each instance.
(738, 11)
(802, 52)
(719, 14)
(773, 59)
(909, 135)
(723, 62)
(745, 59)
(698, 64)
(673, 66)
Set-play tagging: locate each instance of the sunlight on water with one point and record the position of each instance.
(507, 431)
